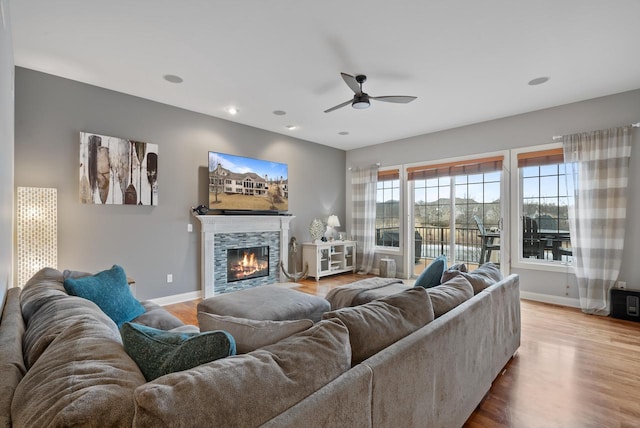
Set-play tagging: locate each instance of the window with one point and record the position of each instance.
(545, 183)
(388, 209)
(449, 200)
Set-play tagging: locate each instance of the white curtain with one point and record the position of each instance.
(597, 212)
(363, 183)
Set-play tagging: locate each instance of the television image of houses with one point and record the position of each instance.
(116, 171)
(247, 184)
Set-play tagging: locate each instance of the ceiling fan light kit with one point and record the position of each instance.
(361, 100)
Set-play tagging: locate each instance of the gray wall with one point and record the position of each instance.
(525, 130)
(150, 242)
(6, 150)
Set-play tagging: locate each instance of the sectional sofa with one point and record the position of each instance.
(63, 364)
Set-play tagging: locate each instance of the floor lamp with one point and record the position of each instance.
(37, 224)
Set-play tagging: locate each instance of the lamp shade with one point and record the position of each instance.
(333, 221)
(37, 238)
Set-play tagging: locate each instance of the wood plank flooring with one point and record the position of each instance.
(572, 370)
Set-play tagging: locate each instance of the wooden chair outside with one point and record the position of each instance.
(488, 241)
(532, 245)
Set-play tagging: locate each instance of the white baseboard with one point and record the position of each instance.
(177, 298)
(546, 298)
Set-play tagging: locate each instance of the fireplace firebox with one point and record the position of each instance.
(247, 263)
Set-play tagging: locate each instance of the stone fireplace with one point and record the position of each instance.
(225, 239)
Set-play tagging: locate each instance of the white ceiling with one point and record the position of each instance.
(467, 61)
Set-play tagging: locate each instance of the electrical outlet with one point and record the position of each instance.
(169, 278)
(622, 285)
(189, 227)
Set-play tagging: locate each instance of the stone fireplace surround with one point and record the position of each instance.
(221, 231)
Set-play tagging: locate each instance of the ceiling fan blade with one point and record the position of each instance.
(395, 99)
(338, 106)
(351, 82)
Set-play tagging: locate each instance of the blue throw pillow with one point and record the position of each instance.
(110, 291)
(431, 276)
(159, 352)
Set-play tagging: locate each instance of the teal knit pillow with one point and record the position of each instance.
(159, 352)
(109, 290)
(431, 276)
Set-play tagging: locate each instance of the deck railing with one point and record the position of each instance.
(432, 241)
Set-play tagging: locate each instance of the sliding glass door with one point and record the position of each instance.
(456, 211)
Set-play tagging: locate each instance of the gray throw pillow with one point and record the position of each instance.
(379, 323)
(251, 334)
(450, 294)
(159, 352)
(481, 278)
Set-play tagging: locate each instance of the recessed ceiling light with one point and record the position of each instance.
(292, 127)
(173, 78)
(279, 112)
(343, 133)
(538, 81)
(232, 110)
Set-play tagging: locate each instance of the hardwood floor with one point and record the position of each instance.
(572, 370)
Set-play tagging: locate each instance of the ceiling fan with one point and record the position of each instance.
(361, 99)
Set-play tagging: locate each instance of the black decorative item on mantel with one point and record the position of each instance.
(200, 209)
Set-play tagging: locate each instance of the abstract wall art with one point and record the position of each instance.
(117, 171)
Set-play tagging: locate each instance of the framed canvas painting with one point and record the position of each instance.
(117, 171)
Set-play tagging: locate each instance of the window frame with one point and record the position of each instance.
(517, 212)
(399, 250)
(505, 205)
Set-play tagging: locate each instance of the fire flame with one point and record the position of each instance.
(248, 265)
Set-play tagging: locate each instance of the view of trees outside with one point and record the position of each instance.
(545, 198)
(474, 195)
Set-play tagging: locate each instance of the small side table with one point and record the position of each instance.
(387, 268)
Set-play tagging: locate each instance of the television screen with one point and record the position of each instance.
(238, 183)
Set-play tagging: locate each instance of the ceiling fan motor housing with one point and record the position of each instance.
(360, 101)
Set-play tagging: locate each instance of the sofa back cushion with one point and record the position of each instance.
(379, 323)
(450, 294)
(11, 361)
(250, 335)
(481, 278)
(249, 389)
(83, 378)
(55, 316)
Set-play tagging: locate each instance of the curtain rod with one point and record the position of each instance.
(633, 125)
(378, 163)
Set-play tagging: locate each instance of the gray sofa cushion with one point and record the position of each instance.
(252, 334)
(157, 317)
(450, 294)
(377, 324)
(247, 390)
(481, 278)
(11, 363)
(53, 317)
(83, 378)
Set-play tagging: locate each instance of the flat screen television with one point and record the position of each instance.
(240, 184)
